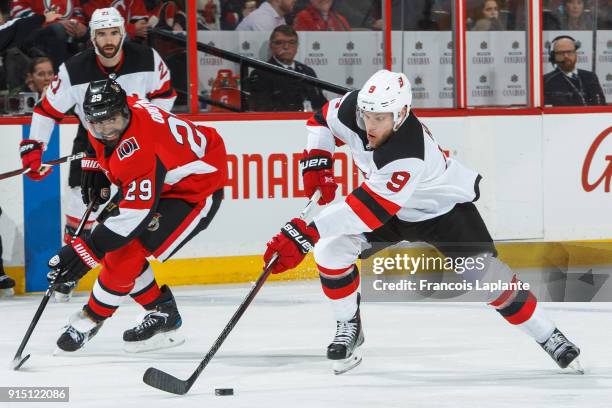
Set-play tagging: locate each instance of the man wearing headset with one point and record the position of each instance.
(567, 85)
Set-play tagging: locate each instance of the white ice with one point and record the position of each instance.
(415, 355)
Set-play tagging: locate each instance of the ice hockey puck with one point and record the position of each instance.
(224, 391)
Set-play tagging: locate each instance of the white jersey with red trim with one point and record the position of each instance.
(141, 72)
(159, 156)
(408, 176)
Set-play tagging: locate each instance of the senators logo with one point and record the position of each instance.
(606, 175)
(127, 148)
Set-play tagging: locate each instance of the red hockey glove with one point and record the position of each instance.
(94, 183)
(318, 173)
(292, 244)
(31, 157)
(73, 261)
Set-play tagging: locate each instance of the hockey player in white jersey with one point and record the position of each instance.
(412, 192)
(138, 69)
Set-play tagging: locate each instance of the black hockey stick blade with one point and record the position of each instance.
(18, 360)
(165, 382)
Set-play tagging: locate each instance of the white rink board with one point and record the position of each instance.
(571, 212)
(11, 197)
(531, 188)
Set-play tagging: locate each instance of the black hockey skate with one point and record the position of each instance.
(79, 331)
(6, 285)
(158, 328)
(342, 349)
(563, 351)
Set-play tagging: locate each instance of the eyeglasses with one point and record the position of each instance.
(279, 43)
(564, 53)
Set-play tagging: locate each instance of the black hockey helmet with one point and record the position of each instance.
(103, 99)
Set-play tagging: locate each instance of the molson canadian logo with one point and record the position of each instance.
(606, 175)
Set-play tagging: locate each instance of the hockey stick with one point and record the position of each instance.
(166, 382)
(61, 160)
(18, 360)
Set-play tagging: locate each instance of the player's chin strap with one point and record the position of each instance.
(166, 382)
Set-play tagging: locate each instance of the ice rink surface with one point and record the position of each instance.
(415, 355)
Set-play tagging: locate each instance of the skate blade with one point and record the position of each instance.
(342, 366)
(158, 342)
(575, 367)
(10, 292)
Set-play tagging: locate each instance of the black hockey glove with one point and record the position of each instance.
(94, 183)
(73, 261)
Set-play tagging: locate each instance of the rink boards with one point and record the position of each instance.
(546, 178)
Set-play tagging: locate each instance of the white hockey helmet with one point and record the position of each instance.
(106, 18)
(385, 91)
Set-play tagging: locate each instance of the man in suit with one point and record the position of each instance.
(270, 91)
(567, 85)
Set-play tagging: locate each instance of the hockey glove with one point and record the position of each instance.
(94, 183)
(292, 244)
(73, 261)
(318, 173)
(31, 157)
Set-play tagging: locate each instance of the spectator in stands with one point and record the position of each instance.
(268, 16)
(550, 21)
(566, 85)
(276, 92)
(40, 75)
(604, 15)
(234, 11)
(487, 17)
(60, 39)
(208, 16)
(574, 16)
(14, 32)
(320, 16)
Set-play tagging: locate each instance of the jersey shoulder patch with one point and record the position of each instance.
(406, 143)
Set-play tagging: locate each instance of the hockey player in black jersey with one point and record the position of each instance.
(412, 192)
(138, 69)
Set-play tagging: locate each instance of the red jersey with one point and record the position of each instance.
(159, 156)
(66, 8)
(310, 19)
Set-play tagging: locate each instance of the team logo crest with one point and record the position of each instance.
(484, 45)
(350, 46)
(246, 46)
(154, 223)
(514, 78)
(127, 148)
(418, 45)
(515, 45)
(350, 81)
(316, 46)
(483, 79)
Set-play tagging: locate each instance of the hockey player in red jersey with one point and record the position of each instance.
(170, 175)
(138, 69)
(412, 192)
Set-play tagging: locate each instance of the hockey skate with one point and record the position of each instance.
(158, 329)
(563, 351)
(6, 286)
(81, 328)
(343, 349)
